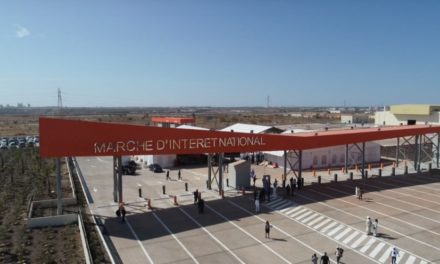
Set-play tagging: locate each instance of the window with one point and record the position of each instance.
(324, 160)
(334, 159)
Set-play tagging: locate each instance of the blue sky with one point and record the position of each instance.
(219, 53)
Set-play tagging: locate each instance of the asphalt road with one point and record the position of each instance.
(315, 220)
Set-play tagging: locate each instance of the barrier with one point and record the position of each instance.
(336, 177)
(319, 179)
(351, 175)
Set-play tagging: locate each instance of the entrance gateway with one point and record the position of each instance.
(68, 138)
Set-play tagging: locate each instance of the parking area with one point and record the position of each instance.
(19, 142)
(315, 219)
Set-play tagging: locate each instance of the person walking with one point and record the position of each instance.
(287, 190)
(339, 252)
(314, 259)
(325, 259)
(257, 205)
(275, 184)
(168, 175)
(122, 212)
(179, 175)
(375, 225)
(267, 228)
(196, 196)
(394, 254)
(368, 226)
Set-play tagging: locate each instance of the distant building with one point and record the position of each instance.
(409, 114)
(355, 118)
(249, 128)
(163, 121)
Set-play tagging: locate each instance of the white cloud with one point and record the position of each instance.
(22, 32)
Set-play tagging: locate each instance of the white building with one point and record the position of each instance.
(409, 114)
(327, 157)
(250, 128)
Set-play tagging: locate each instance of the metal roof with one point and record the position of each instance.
(192, 127)
(246, 128)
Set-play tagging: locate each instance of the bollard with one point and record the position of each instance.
(223, 194)
(418, 168)
(207, 184)
(186, 186)
(149, 204)
(243, 192)
(319, 179)
(366, 174)
(140, 192)
(175, 200)
(314, 174)
(393, 171)
(369, 166)
(163, 189)
(179, 175)
(380, 172)
(406, 170)
(227, 182)
(430, 167)
(336, 177)
(351, 175)
(168, 175)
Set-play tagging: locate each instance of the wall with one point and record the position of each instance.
(391, 119)
(239, 174)
(329, 157)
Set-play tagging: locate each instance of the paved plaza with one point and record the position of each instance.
(316, 219)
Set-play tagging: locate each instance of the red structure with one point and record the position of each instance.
(173, 121)
(59, 138)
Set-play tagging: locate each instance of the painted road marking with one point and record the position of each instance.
(297, 213)
(386, 254)
(293, 210)
(316, 220)
(303, 215)
(357, 242)
(279, 229)
(377, 249)
(335, 230)
(139, 242)
(247, 233)
(343, 233)
(322, 223)
(212, 236)
(309, 218)
(410, 260)
(368, 245)
(401, 253)
(178, 241)
(350, 237)
(326, 228)
(282, 205)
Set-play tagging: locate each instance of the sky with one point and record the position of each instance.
(144, 53)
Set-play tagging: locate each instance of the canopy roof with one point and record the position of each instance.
(60, 137)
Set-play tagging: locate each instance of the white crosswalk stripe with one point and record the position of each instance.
(410, 260)
(368, 245)
(325, 229)
(350, 237)
(343, 233)
(315, 221)
(335, 230)
(338, 230)
(376, 250)
(293, 210)
(399, 258)
(357, 242)
(322, 223)
(385, 255)
(305, 220)
(282, 205)
(298, 212)
(304, 215)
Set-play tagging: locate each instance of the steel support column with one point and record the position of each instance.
(438, 149)
(416, 153)
(346, 159)
(59, 188)
(220, 172)
(363, 159)
(119, 173)
(115, 180)
(209, 171)
(284, 180)
(397, 152)
(419, 153)
(300, 165)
